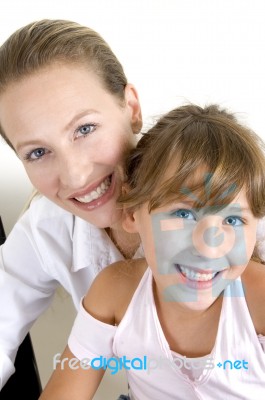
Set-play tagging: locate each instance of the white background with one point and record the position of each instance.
(172, 50)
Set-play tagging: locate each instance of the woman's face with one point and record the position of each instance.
(71, 135)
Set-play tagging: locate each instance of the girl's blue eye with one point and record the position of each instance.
(85, 129)
(234, 221)
(36, 154)
(184, 213)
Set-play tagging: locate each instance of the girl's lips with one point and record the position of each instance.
(199, 284)
(103, 199)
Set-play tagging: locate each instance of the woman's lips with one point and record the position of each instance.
(96, 193)
(96, 197)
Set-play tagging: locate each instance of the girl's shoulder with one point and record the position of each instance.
(253, 279)
(112, 290)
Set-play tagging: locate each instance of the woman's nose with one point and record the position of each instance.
(74, 172)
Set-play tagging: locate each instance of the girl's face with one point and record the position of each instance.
(71, 135)
(195, 253)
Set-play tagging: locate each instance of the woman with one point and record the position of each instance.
(70, 115)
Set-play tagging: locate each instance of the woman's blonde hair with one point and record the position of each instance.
(188, 140)
(44, 42)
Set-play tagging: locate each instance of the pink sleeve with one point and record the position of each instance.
(91, 338)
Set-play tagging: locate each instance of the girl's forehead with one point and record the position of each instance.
(195, 179)
(196, 193)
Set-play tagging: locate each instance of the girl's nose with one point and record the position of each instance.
(211, 240)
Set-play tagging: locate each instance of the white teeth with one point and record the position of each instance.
(195, 276)
(96, 193)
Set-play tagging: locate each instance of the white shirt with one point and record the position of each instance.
(48, 247)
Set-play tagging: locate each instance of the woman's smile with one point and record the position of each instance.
(95, 196)
(72, 139)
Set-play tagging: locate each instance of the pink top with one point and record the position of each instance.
(164, 375)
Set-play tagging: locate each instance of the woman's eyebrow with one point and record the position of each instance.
(80, 115)
(27, 143)
(75, 118)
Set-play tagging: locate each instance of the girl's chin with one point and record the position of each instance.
(190, 297)
(201, 304)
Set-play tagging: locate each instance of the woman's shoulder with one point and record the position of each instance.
(44, 219)
(42, 208)
(253, 279)
(41, 224)
(46, 223)
(112, 290)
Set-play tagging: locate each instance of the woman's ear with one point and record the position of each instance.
(133, 104)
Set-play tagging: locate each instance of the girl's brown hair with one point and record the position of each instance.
(186, 141)
(44, 42)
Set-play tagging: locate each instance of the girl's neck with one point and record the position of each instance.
(189, 332)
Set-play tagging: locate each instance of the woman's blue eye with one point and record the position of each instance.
(35, 154)
(234, 221)
(183, 213)
(85, 129)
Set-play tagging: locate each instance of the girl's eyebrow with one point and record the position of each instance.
(230, 208)
(237, 208)
(189, 203)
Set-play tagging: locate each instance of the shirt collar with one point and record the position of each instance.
(93, 248)
(90, 247)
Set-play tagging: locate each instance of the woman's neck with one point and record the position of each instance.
(126, 243)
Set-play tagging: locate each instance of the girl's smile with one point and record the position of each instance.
(195, 253)
(71, 135)
(196, 278)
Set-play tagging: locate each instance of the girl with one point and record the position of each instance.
(70, 115)
(186, 322)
